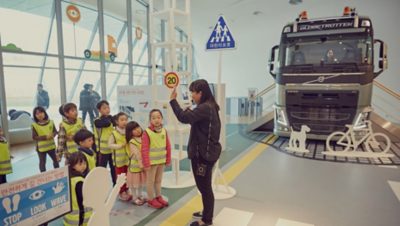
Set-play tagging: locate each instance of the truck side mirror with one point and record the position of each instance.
(271, 61)
(383, 62)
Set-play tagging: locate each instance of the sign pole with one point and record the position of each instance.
(219, 73)
(220, 99)
(220, 39)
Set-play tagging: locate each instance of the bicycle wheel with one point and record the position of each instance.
(341, 139)
(377, 142)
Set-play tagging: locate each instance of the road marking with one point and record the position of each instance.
(395, 187)
(233, 217)
(285, 222)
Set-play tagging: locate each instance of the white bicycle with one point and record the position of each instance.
(373, 142)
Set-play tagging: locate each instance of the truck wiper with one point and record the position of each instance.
(342, 67)
(298, 68)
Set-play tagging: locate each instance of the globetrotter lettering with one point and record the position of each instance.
(309, 27)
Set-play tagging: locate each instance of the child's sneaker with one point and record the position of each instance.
(124, 196)
(154, 204)
(162, 201)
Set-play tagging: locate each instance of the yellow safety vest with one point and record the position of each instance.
(102, 141)
(91, 160)
(71, 129)
(158, 146)
(134, 166)
(44, 130)
(5, 159)
(120, 158)
(72, 218)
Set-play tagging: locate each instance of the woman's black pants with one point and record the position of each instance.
(202, 171)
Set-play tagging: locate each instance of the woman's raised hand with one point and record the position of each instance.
(173, 94)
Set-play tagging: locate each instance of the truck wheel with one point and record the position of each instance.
(87, 54)
(112, 57)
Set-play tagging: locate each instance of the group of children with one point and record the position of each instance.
(124, 146)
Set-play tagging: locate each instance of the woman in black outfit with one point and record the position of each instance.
(204, 147)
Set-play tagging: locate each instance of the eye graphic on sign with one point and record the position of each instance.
(171, 80)
(37, 195)
(73, 13)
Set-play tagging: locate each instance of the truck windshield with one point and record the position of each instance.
(326, 51)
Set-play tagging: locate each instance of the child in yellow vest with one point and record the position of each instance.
(103, 127)
(84, 138)
(117, 142)
(136, 177)
(156, 154)
(68, 127)
(43, 132)
(5, 158)
(78, 169)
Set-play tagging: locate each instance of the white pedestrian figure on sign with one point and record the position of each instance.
(218, 31)
(300, 138)
(225, 34)
(96, 188)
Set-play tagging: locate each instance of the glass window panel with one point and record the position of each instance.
(141, 76)
(22, 59)
(114, 26)
(139, 23)
(51, 84)
(77, 86)
(114, 80)
(21, 95)
(77, 33)
(30, 15)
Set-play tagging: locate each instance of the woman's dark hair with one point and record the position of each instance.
(73, 159)
(155, 110)
(128, 130)
(101, 103)
(82, 135)
(117, 116)
(40, 109)
(202, 86)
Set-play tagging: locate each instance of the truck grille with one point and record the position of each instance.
(323, 111)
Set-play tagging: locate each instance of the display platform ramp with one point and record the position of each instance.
(381, 125)
(264, 123)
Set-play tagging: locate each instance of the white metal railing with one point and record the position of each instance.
(268, 100)
(386, 102)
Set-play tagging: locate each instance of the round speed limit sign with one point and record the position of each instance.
(171, 80)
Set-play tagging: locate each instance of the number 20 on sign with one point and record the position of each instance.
(171, 80)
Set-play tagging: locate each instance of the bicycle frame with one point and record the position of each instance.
(351, 139)
(354, 143)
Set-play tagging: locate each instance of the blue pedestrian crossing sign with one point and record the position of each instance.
(221, 37)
